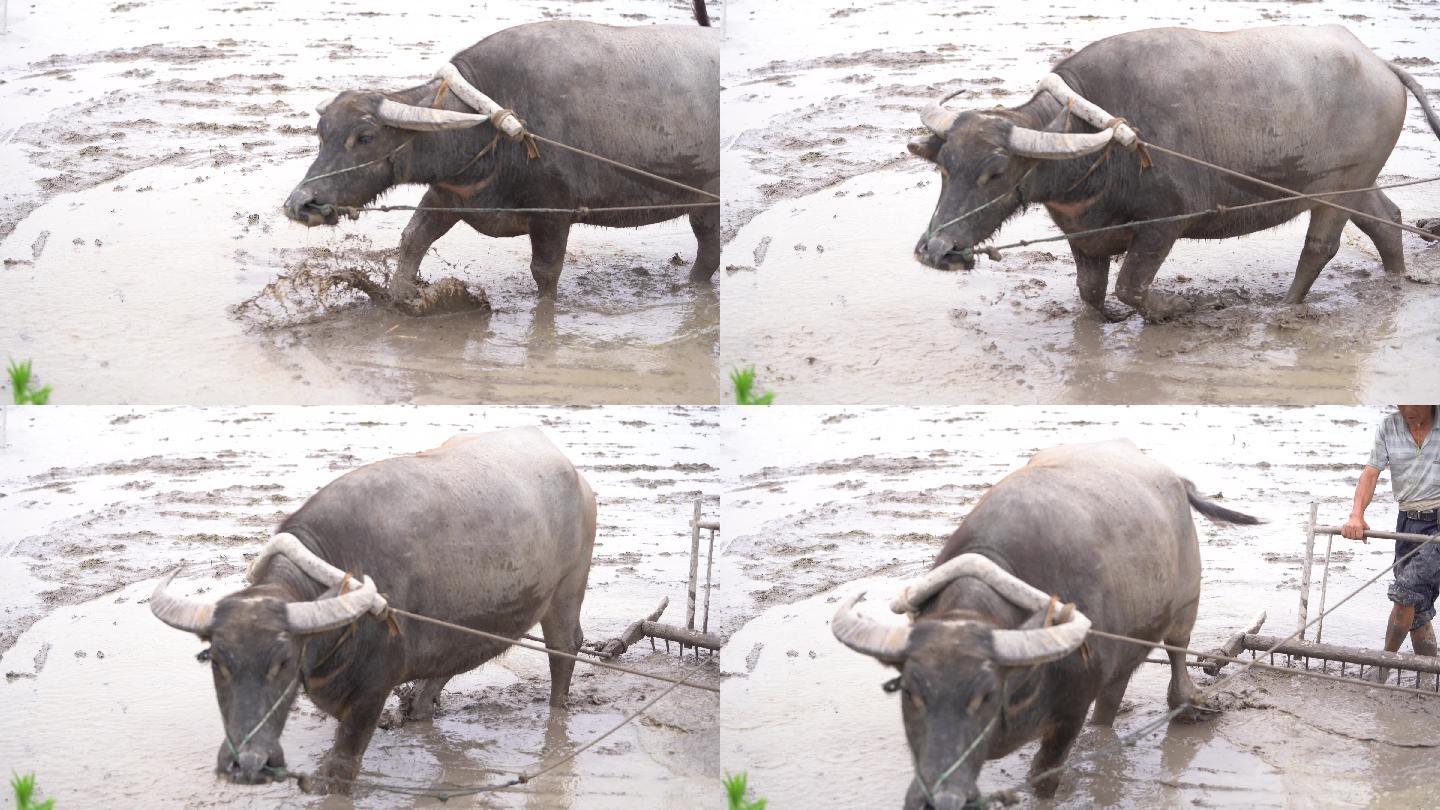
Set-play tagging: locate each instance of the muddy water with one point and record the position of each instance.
(825, 207)
(146, 259)
(825, 502)
(108, 706)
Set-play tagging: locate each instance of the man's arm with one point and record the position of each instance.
(1356, 526)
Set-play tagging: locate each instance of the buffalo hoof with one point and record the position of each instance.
(1197, 714)
(333, 777)
(448, 295)
(1160, 307)
(1114, 314)
(1046, 786)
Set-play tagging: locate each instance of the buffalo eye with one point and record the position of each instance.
(364, 138)
(203, 656)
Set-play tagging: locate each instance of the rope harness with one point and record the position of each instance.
(505, 122)
(1123, 133)
(441, 792)
(1194, 702)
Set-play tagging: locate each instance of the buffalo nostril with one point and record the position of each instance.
(937, 247)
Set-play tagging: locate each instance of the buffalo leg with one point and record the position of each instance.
(1142, 261)
(561, 622)
(706, 225)
(1107, 705)
(342, 763)
(1387, 239)
(1182, 690)
(420, 233)
(418, 702)
(1322, 242)
(1092, 276)
(561, 626)
(1054, 745)
(548, 238)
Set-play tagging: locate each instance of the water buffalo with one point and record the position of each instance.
(645, 96)
(1307, 108)
(493, 531)
(989, 663)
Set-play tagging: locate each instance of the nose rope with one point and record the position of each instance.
(929, 794)
(284, 695)
(964, 755)
(392, 153)
(973, 211)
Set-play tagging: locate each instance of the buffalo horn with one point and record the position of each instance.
(289, 546)
(1039, 645)
(1036, 143)
(332, 612)
(190, 615)
(936, 118)
(325, 105)
(426, 119)
(885, 642)
(1014, 589)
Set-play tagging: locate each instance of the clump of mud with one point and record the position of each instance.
(317, 282)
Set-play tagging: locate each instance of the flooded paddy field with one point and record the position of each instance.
(824, 207)
(108, 706)
(823, 502)
(146, 259)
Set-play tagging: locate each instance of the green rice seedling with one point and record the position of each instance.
(20, 374)
(24, 787)
(736, 788)
(745, 391)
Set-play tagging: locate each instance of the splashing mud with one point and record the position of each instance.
(822, 503)
(108, 706)
(824, 207)
(147, 155)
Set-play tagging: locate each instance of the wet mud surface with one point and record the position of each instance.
(822, 503)
(146, 259)
(824, 206)
(109, 707)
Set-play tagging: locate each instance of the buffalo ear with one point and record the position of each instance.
(927, 147)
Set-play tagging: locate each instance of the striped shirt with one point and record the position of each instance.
(1414, 471)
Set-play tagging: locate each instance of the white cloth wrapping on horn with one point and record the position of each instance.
(1016, 590)
(1087, 111)
(425, 119)
(1040, 645)
(1028, 646)
(308, 561)
(478, 101)
(1057, 145)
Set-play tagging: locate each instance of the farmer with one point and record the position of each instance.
(1406, 443)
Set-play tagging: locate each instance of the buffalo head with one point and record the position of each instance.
(363, 137)
(257, 642)
(984, 157)
(953, 670)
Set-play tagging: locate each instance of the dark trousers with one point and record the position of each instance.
(1417, 580)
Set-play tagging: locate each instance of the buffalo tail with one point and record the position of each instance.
(1415, 88)
(1215, 511)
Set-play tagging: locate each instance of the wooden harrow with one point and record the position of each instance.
(1299, 652)
(650, 625)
